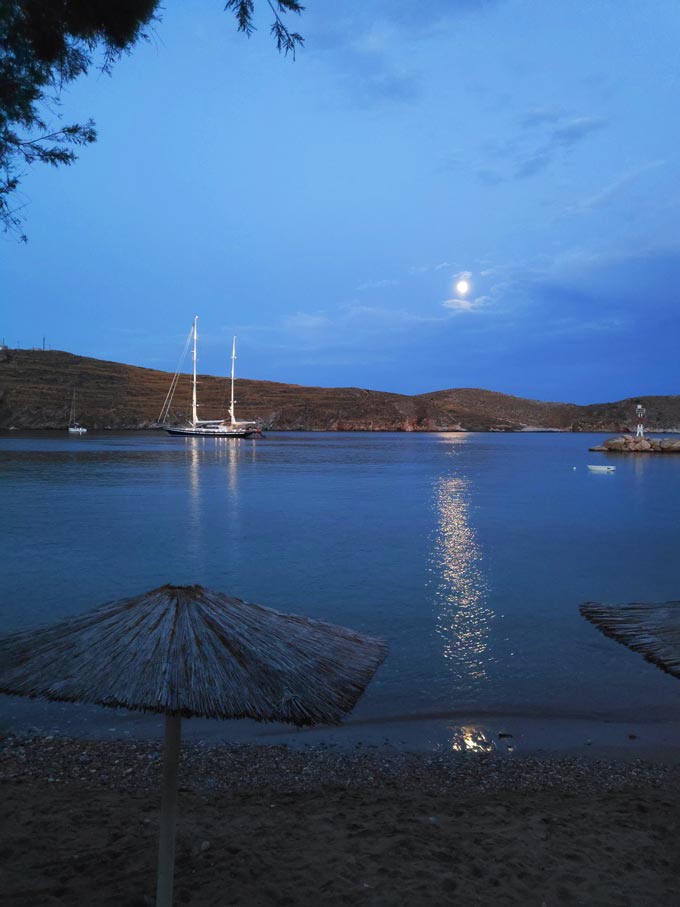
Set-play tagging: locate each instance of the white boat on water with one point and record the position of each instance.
(602, 468)
(207, 428)
(74, 427)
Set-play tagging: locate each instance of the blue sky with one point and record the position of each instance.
(324, 210)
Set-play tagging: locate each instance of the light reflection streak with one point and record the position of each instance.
(235, 451)
(195, 504)
(214, 508)
(194, 480)
(468, 739)
(640, 464)
(223, 451)
(462, 619)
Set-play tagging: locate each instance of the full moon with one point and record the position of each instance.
(462, 287)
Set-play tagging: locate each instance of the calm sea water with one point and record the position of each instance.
(469, 553)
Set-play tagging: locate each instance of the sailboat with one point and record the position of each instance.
(209, 428)
(75, 428)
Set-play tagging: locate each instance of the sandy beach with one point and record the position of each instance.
(282, 826)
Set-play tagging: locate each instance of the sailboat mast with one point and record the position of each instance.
(194, 414)
(233, 361)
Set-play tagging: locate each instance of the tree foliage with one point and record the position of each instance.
(45, 44)
(286, 41)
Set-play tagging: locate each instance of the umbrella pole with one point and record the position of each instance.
(166, 849)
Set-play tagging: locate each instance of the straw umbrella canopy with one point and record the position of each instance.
(652, 629)
(186, 651)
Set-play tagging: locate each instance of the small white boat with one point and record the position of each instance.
(74, 427)
(602, 468)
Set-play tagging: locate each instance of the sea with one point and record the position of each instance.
(468, 553)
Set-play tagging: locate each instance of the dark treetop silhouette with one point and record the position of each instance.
(45, 44)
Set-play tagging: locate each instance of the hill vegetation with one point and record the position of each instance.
(36, 388)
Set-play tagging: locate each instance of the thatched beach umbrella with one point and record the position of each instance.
(651, 629)
(186, 651)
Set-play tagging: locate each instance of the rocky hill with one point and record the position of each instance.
(36, 388)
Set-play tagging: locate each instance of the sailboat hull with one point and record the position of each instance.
(213, 432)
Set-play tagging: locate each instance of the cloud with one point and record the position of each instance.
(425, 269)
(575, 131)
(584, 294)
(458, 304)
(375, 317)
(418, 19)
(539, 116)
(371, 68)
(608, 193)
(547, 135)
(534, 163)
(370, 43)
(377, 284)
(489, 177)
(341, 327)
(378, 83)
(451, 161)
(307, 321)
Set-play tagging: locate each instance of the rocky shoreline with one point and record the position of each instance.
(122, 764)
(631, 444)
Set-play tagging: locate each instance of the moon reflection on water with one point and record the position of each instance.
(462, 618)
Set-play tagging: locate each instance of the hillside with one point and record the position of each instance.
(36, 387)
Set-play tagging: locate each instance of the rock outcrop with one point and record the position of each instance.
(630, 444)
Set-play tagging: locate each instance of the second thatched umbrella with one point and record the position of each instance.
(187, 651)
(650, 628)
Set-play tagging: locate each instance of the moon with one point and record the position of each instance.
(462, 287)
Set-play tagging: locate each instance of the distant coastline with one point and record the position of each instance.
(36, 388)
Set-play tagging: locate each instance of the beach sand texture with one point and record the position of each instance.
(278, 826)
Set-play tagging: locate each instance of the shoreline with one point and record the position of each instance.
(503, 732)
(128, 764)
(524, 430)
(275, 825)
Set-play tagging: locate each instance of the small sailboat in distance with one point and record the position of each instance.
(208, 428)
(74, 427)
